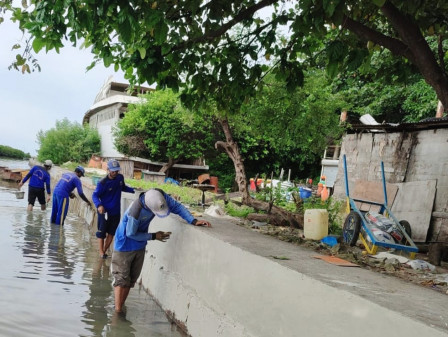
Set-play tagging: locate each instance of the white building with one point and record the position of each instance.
(109, 107)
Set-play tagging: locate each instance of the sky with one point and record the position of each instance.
(63, 89)
(33, 102)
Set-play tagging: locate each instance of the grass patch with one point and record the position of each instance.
(238, 211)
(184, 194)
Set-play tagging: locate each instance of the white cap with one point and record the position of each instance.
(155, 201)
(48, 162)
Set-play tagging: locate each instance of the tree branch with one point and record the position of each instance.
(422, 55)
(243, 15)
(440, 51)
(368, 34)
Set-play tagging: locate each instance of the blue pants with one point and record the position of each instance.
(59, 210)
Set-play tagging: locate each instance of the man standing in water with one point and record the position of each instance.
(132, 236)
(107, 200)
(40, 178)
(64, 190)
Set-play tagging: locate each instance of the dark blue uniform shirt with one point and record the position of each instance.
(108, 193)
(39, 178)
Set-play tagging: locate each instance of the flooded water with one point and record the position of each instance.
(54, 284)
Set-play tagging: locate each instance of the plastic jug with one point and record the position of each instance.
(315, 224)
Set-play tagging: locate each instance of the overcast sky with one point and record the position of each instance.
(33, 102)
(63, 88)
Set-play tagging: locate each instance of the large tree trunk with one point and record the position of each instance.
(411, 45)
(168, 165)
(281, 216)
(233, 151)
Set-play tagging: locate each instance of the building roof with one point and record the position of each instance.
(115, 99)
(185, 166)
(109, 94)
(425, 124)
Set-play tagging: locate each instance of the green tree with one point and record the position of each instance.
(68, 141)
(387, 89)
(10, 152)
(297, 125)
(280, 129)
(160, 128)
(219, 48)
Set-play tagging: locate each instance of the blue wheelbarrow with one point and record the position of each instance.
(358, 224)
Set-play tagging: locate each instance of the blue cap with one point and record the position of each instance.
(113, 165)
(80, 169)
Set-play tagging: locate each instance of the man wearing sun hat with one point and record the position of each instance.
(107, 200)
(132, 236)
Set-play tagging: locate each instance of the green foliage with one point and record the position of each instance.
(220, 49)
(388, 90)
(223, 51)
(186, 195)
(393, 103)
(221, 166)
(161, 129)
(10, 152)
(68, 141)
(291, 129)
(420, 102)
(278, 197)
(238, 211)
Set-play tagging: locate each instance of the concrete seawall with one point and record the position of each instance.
(224, 281)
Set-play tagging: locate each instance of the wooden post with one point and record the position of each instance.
(440, 109)
(435, 253)
(343, 117)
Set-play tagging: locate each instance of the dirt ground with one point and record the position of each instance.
(436, 279)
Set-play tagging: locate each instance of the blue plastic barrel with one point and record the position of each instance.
(304, 192)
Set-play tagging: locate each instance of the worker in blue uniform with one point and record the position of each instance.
(132, 236)
(107, 200)
(39, 180)
(63, 191)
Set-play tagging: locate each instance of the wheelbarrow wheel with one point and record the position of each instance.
(352, 226)
(407, 227)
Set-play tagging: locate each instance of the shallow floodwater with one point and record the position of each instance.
(53, 283)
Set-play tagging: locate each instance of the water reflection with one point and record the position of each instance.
(120, 326)
(32, 244)
(58, 259)
(96, 315)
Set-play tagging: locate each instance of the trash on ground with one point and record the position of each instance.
(195, 214)
(330, 240)
(381, 236)
(280, 257)
(258, 224)
(442, 279)
(216, 211)
(387, 255)
(335, 260)
(421, 265)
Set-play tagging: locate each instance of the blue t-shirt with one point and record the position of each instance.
(108, 193)
(132, 232)
(68, 182)
(39, 178)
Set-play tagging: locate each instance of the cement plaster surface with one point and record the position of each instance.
(224, 281)
(229, 273)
